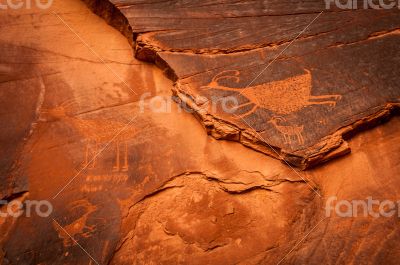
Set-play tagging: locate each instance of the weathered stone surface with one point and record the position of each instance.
(17, 82)
(297, 72)
(176, 196)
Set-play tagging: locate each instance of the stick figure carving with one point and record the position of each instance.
(282, 97)
(288, 131)
(96, 132)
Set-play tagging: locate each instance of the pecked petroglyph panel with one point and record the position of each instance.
(299, 72)
(240, 204)
(98, 134)
(297, 105)
(98, 183)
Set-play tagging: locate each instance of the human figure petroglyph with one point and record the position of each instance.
(282, 97)
(79, 227)
(288, 131)
(97, 132)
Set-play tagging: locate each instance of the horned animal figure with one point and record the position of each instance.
(288, 131)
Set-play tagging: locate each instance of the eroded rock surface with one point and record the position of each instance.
(132, 186)
(288, 79)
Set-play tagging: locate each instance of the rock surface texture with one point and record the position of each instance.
(289, 79)
(134, 179)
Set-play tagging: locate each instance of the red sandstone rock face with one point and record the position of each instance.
(261, 72)
(131, 185)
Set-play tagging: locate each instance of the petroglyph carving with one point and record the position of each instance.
(113, 179)
(79, 227)
(288, 131)
(95, 183)
(90, 188)
(282, 97)
(98, 132)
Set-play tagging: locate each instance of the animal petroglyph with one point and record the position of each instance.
(282, 97)
(288, 131)
(97, 132)
(78, 227)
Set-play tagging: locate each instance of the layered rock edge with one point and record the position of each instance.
(329, 147)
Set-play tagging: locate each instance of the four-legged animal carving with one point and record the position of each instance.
(97, 132)
(282, 97)
(288, 131)
(77, 227)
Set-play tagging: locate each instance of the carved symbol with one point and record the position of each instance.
(78, 227)
(288, 131)
(282, 97)
(95, 183)
(97, 132)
